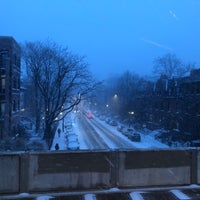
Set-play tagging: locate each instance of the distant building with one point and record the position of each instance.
(176, 104)
(9, 86)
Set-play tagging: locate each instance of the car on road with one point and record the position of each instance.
(132, 134)
(89, 115)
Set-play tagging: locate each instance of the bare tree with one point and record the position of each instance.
(31, 54)
(60, 77)
(127, 86)
(171, 66)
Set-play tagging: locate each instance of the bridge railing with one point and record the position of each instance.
(80, 170)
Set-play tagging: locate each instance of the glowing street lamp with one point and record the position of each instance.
(115, 96)
(131, 113)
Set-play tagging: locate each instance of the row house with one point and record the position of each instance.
(176, 104)
(9, 86)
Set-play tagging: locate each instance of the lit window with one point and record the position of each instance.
(2, 84)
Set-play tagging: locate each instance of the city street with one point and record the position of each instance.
(99, 135)
(94, 134)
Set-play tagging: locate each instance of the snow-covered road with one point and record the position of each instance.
(96, 134)
(106, 136)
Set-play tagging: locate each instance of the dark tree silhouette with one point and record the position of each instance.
(171, 66)
(60, 78)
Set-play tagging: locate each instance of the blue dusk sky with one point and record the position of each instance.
(114, 35)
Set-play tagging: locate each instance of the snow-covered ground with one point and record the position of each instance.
(60, 140)
(135, 194)
(147, 137)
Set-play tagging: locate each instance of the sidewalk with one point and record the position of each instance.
(60, 140)
(159, 193)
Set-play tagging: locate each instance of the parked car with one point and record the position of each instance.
(120, 128)
(71, 137)
(72, 141)
(73, 145)
(135, 137)
(108, 120)
(102, 117)
(195, 143)
(132, 134)
(113, 123)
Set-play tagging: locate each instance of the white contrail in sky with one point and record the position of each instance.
(173, 14)
(157, 44)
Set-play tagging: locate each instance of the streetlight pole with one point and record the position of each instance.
(115, 104)
(131, 113)
(63, 124)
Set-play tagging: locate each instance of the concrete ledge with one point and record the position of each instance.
(86, 170)
(9, 173)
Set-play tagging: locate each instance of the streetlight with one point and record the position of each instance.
(115, 96)
(63, 121)
(115, 104)
(131, 113)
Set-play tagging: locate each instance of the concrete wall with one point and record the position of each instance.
(9, 173)
(68, 171)
(154, 168)
(65, 171)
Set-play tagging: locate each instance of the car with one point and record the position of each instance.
(132, 134)
(113, 123)
(195, 143)
(72, 145)
(90, 115)
(71, 137)
(120, 128)
(102, 117)
(68, 127)
(108, 120)
(135, 137)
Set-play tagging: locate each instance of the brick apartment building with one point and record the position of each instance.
(175, 105)
(9, 86)
(171, 104)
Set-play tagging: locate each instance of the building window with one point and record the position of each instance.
(14, 105)
(2, 72)
(14, 83)
(1, 130)
(18, 105)
(3, 59)
(15, 59)
(2, 108)
(2, 85)
(18, 83)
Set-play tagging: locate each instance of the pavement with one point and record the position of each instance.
(160, 193)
